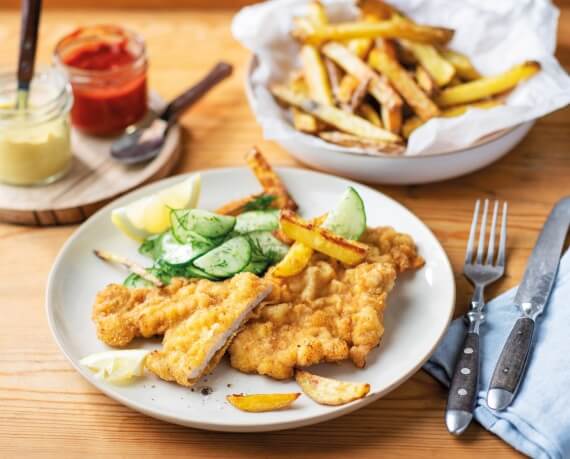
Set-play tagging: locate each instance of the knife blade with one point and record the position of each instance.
(531, 298)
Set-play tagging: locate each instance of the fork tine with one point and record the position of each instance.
(482, 232)
(469, 251)
(503, 239)
(491, 249)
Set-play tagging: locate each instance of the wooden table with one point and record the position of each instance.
(48, 409)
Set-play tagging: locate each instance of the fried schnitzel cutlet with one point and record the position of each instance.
(122, 314)
(195, 345)
(327, 313)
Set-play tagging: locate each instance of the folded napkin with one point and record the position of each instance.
(538, 421)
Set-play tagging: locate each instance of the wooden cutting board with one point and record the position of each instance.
(94, 179)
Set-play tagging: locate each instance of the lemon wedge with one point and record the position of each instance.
(118, 367)
(151, 214)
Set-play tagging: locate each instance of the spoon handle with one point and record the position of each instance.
(31, 10)
(174, 109)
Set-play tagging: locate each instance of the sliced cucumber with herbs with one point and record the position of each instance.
(265, 246)
(257, 220)
(174, 253)
(151, 246)
(227, 259)
(256, 267)
(348, 219)
(184, 222)
(193, 271)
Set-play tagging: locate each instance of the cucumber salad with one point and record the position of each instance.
(203, 244)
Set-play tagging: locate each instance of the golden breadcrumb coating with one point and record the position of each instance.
(327, 313)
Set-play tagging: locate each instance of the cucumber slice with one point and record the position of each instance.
(256, 267)
(227, 259)
(199, 221)
(175, 253)
(257, 220)
(193, 271)
(135, 281)
(151, 247)
(265, 246)
(348, 219)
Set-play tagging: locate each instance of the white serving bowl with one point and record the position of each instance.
(401, 170)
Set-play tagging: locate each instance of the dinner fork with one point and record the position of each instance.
(462, 395)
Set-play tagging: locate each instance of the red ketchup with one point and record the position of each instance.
(107, 69)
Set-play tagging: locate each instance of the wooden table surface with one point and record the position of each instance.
(48, 409)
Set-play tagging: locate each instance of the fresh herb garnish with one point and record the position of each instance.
(263, 202)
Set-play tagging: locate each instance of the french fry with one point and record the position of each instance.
(415, 122)
(358, 95)
(341, 120)
(425, 81)
(403, 83)
(317, 13)
(488, 86)
(317, 35)
(360, 47)
(454, 82)
(327, 391)
(463, 66)
(269, 180)
(322, 240)
(428, 56)
(377, 8)
(334, 77)
(302, 121)
(316, 75)
(378, 86)
(368, 145)
(130, 265)
(368, 113)
(348, 86)
(294, 262)
(259, 403)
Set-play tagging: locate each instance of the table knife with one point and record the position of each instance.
(531, 298)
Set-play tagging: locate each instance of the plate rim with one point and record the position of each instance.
(220, 425)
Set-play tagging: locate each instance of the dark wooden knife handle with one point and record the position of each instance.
(512, 361)
(172, 112)
(465, 381)
(31, 10)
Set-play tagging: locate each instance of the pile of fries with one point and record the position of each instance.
(371, 82)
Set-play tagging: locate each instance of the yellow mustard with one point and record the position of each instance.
(35, 142)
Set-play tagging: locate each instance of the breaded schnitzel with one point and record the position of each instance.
(122, 314)
(327, 313)
(195, 345)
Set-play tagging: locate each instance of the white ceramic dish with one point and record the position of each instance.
(401, 170)
(419, 311)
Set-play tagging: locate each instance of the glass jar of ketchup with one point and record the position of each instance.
(107, 68)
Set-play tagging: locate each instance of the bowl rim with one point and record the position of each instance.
(486, 139)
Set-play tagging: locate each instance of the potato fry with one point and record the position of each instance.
(415, 122)
(454, 82)
(317, 35)
(348, 86)
(427, 55)
(316, 75)
(377, 8)
(463, 66)
(334, 77)
(370, 114)
(258, 403)
(358, 95)
(294, 262)
(341, 120)
(368, 145)
(302, 121)
(360, 47)
(269, 180)
(488, 86)
(322, 240)
(317, 13)
(404, 84)
(425, 81)
(327, 391)
(378, 87)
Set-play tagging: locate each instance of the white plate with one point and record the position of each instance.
(418, 314)
(399, 170)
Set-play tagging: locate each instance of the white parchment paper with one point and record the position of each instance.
(495, 34)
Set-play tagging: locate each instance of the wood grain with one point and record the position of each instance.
(46, 407)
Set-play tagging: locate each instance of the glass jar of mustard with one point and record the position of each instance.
(35, 141)
(107, 68)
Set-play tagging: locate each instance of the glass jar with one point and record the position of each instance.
(35, 141)
(107, 68)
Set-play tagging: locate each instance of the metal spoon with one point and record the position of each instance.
(144, 143)
(31, 10)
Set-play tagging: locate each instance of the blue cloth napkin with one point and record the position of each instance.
(538, 421)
